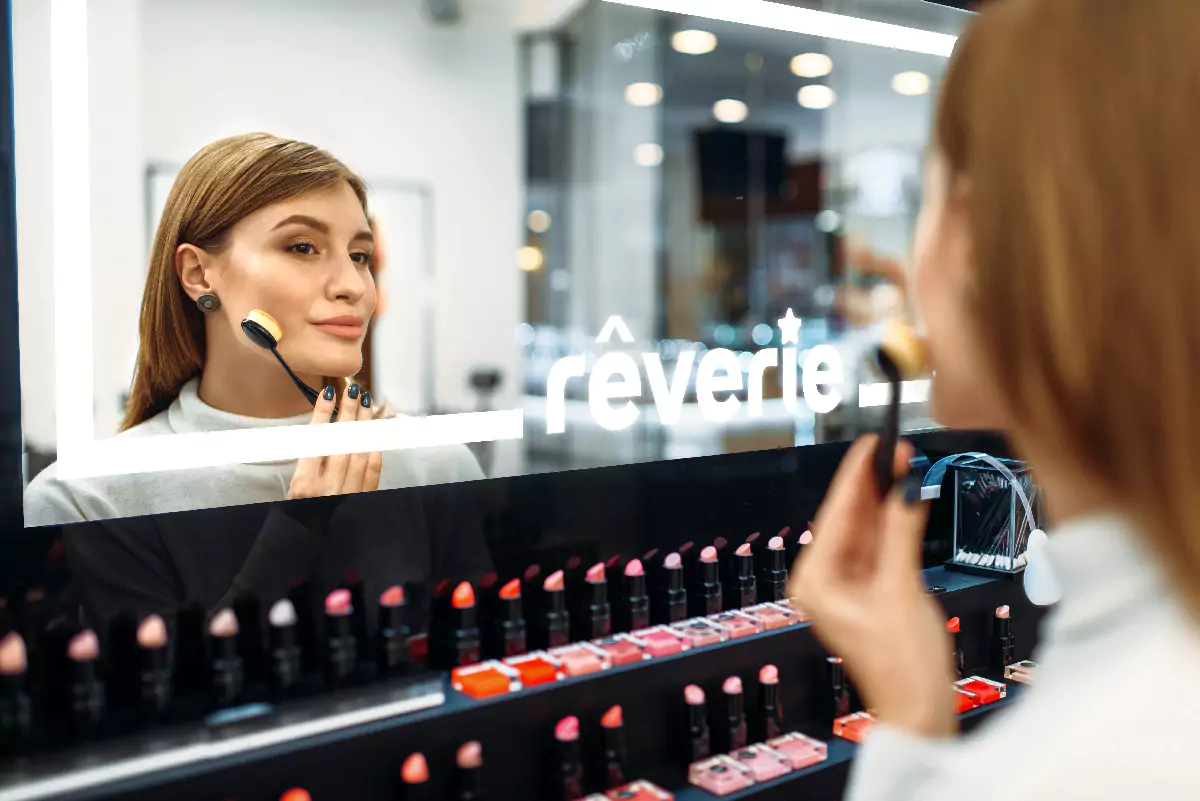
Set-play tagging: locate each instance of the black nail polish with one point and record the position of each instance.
(329, 393)
(911, 487)
(353, 391)
(366, 400)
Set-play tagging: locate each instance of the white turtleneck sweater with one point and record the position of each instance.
(1112, 716)
(49, 500)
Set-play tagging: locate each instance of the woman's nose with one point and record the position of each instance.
(349, 281)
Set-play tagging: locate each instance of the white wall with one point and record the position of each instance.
(370, 80)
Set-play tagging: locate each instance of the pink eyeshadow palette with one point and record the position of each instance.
(700, 632)
(800, 751)
(577, 660)
(620, 650)
(737, 624)
(772, 616)
(763, 762)
(720, 775)
(660, 641)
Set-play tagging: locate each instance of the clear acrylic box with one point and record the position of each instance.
(991, 528)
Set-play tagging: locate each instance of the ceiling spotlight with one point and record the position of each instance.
(648, 154)
(693, 43)
(816, 96)
(643, 94)
(538, 221)
(730, 111)
(911, 83)
(529, 258)
(812, 65)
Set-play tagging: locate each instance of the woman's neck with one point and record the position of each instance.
(250, 383)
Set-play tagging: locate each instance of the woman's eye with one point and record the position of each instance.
(302, 248)
(361, 258)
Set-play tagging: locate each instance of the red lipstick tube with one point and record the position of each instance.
(735, 714)
(596, 618)
(839, 688)
(708, 600)
(393, 635)
(566, 733)
(635, 608)
(674, 594)
(613, 724)
(1003, 641)
(509, 625)
(774, 576)
(341, 647)
(743, 590)
(554, 624)
(954, 626)
(768, 693)
(464, 641)
(699, 740)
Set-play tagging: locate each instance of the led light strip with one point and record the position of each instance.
(877, 394)
(123, 769)
(805, 20)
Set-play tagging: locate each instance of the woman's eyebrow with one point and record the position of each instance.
(303, 219)
(363, 236)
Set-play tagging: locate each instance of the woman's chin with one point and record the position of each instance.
(333, 365)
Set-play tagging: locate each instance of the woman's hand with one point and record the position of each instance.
(318, 476)
(860, 580)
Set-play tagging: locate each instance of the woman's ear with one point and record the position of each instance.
(191, 265)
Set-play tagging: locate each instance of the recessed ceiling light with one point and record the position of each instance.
(529, 258)
(693, 43)
(911, 83)
(730, 111)
(648, 154)
(812, 65)
(643, 94)
(816, 96)
(538, 221)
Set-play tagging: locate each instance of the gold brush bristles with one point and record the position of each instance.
(266, 321)
(904, 348)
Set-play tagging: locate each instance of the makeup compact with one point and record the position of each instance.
(484, 680)
(700, 632)
(533, 668)
(763, 762)
(799, 750)
(854, 727)
(987, 691)
(720, 775)
(640, 790)
(772, 617)
(1024, 671)
(736, 625)
(661, 641)
(620, 650)
(580, 659)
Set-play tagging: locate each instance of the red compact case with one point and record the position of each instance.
(799, 750)
(736, 625)
(620, 650)
(640, 790)
(986, 690)
(533, 668)
(720, 775)
(699, 631)
(660, 641)
(763, 762)
(580, 659)
(484, 680)
(854, 727)
(964, 701)
(1024, 671)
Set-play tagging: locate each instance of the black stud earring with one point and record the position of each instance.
(208, 303)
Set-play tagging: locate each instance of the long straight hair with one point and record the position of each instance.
(1076, 123)
(220, 185)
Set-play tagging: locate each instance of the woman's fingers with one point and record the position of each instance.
(903, 529)
(309, 469)
(374, 471)
(335, 466)
(356, 470)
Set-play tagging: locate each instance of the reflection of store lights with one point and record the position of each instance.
(693, 43)
(730, 111)
(828, 221)
(643, 94)
(762, 335)
(816, 96)
(538, 221)
(648, 154)
(812, 65)
(529, 258)
(911, 83)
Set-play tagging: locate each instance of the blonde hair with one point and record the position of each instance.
(221, 184)
(1077, 124)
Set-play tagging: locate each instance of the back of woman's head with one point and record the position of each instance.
(1076, 124)
(219, 186)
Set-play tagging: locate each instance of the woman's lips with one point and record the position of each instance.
(341, 331)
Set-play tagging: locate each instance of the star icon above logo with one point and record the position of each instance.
(789, 326)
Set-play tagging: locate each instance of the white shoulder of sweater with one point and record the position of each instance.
(1098, 724)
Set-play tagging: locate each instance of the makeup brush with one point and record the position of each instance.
(469, 760)
(566, 733)
(225, 677)
(415, 775)
(87, 690)
(16, 715)
(900, 354)
(263, 331)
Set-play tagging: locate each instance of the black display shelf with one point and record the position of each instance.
(362, 761)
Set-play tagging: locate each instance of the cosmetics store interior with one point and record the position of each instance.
(597, 605)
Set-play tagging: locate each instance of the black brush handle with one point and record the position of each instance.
(305, 389)
(885, 450)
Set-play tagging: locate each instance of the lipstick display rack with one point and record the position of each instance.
(350, 744)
